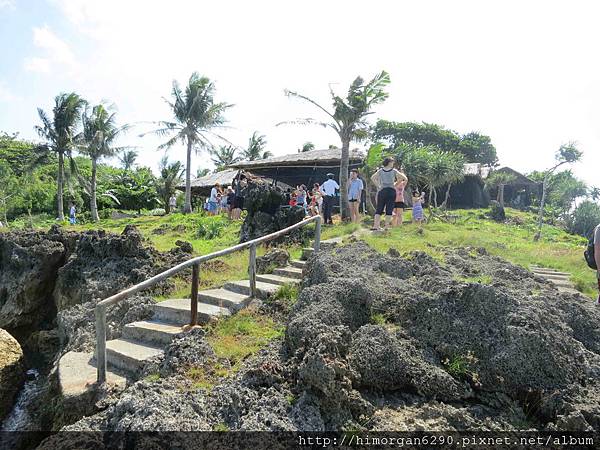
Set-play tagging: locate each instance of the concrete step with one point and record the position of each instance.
(542, 270)
(298, 263)
(224, 298)
(177, 311)
(264, 290)
(290, 272)
(553, 276)
(77, 374)
(128, 355)
(276, 279)
(307, 253)
(152, 331)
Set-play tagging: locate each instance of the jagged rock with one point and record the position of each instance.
(274, 258)
(11, 371)
(29, 262)
(266, 215)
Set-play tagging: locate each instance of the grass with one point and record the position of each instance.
(287, 293)
(513, 241)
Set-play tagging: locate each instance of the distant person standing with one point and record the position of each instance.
(328, 189)
(172, 203)
(597, 258)
(72, 212)
(417, 210)
(355, 188)
(399, 205)
(230, 202)
(213, 200)
(385, 179)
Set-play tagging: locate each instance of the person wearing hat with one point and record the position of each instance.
(328, 189)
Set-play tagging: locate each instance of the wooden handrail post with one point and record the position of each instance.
(317, 234)
(252, 270)
(100, 312)
(194, 296)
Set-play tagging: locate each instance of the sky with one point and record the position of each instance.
(526, 73)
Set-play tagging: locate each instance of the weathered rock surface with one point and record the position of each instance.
(11, 371)
(395, 342)
(274, 258)
(29, 262)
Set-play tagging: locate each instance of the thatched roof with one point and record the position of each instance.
(520, 179)
(323, 158)
(202, 185)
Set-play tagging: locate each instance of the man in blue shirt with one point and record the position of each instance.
(355, 187)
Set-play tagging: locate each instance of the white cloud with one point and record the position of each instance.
(9, 4)
(56, 53)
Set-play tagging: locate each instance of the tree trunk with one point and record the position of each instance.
(93, 202)
(187, 208)
(344, 178)
(541, 213)
(501, 195)
(434, 197)
(444, 204)
(59, 186)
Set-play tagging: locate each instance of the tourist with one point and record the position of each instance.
(238, 201)
(293, 199)
(301, 196)
(315, 200)
(417, 208)
(72, 211)
(597, 257)
(213, 200)
(355, 188)
(399, 205)
(328, 189)
(230, 201)
(385, 180)
(172, 203)
(223, 200)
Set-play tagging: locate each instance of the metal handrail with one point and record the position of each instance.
(100, 310)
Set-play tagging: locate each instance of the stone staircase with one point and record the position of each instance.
(560, 279)
(143, 340)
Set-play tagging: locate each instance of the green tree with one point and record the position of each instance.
(127, 159)
(307, 147)
(202, 172)
(100, 132)
(195, 116)
(17, 153)
(584, 218)
(256, 148)
(475, 147)
(498, 180)
(566, 154)
(60, 134)
(562, 189)
(223, 156)
(348, 119)
(135, 189)
(170, 177)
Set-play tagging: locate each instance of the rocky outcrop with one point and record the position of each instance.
(11, 371)
(273, 259)
(29, 262)
(265, 214)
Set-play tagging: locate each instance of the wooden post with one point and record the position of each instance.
(100, 312)
(252, 270)
(194, 296)
(317, 234)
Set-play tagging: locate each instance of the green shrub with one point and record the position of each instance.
(210, 227)
(584, 218)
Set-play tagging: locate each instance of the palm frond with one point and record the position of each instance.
(289, 93)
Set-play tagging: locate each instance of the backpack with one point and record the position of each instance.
(588, 254)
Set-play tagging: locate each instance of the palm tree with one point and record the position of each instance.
(127, 159)
(99, 134)
(307, 147)
(499, 180)
(255, 150)
(566, 154)
(202, 172)
(60, 135)
(170, 177)
(195, 116)
(348, 119)
(224, 156)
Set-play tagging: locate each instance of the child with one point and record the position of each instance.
(293, 199)
(417, 210)
(72, 211)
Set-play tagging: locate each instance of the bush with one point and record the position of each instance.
(210, 227)
(584, 219)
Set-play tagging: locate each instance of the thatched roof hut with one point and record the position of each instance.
(201, 186)
(302, 168)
